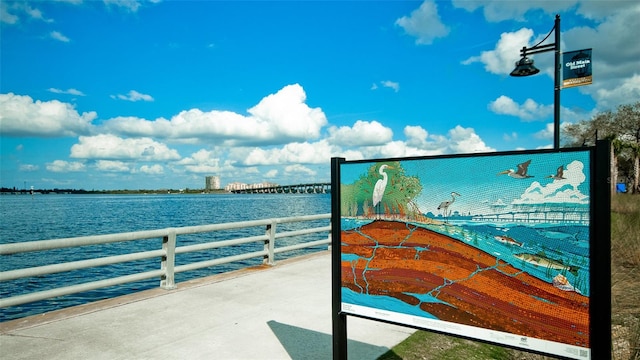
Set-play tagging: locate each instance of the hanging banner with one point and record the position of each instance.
(576, 70)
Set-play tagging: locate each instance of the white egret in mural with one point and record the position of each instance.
(381, 185)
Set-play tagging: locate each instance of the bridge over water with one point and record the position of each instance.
(311, 188)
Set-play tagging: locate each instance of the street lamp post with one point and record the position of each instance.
(524, 67)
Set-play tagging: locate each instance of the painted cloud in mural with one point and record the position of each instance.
(558, 191)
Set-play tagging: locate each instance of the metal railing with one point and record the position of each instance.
(167, 254)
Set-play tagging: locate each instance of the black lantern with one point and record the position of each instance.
(524, 67)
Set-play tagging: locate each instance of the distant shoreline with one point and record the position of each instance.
(7, 191)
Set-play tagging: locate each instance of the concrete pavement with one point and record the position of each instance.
(280, 312)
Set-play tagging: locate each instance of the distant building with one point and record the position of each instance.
(242, 186)
(261, 185)
(212, 183)
(235, 186)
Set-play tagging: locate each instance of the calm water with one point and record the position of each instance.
(41, 217)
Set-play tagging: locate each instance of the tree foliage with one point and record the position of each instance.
(397, 200)
(622, 128)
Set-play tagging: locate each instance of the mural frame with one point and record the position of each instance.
(392, 278)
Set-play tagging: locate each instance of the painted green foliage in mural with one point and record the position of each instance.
(397, 199)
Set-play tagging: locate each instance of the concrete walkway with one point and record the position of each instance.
(280, 312)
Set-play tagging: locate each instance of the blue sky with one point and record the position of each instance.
(159, 94)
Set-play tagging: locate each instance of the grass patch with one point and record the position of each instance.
(625, 276)
(625, 304)
(423, 345)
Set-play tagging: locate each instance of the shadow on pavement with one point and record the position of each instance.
(304, 344)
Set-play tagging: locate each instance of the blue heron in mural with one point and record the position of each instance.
(444, 206)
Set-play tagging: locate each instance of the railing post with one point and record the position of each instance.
(169, 260)
(270, 244)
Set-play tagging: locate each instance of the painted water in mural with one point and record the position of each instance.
(493, 247)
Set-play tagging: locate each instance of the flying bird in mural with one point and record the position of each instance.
(558, 175)
(444, 206)
(521, 173)
(380, 186)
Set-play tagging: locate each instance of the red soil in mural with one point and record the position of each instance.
(482, 290)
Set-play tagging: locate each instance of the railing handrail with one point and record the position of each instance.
(167, 253)
(40, 245)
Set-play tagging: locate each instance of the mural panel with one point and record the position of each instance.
(491, 247)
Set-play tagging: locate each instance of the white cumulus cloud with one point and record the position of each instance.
(424, 23)
(65, 166)
(133, 96)
(362, 133)
(112, 166)
(465, 140)
(297, 169)
(546, 133)
(420, 138)
(111, 147)
(203, 161)
(276, 119)
(391, 84)
(495, 11)
(271, 174)
(11, 12)
(286, 113)
(22, 116)
(502, 59)
(57, 35)
(626, 90)
(126, 5)
(68, 91)
(528, 111)
(292, 153)
(152, 169)
(458, 140)
(28, 167)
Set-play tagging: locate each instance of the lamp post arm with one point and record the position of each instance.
(537, 49)
(557, 86)
(525, 67)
